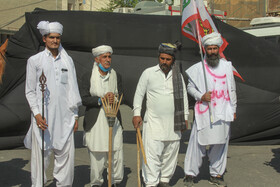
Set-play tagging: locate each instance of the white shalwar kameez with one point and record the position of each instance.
(97, 139)
(161, 142)
(221, 82)
(62, 99)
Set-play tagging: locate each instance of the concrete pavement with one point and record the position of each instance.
(248, 166)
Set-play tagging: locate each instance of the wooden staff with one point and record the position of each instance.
(110, 157)
(111, 110)
(141, 145)
(138, 161)
(43, 80)
(3, 50)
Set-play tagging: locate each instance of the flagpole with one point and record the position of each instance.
(203, 67)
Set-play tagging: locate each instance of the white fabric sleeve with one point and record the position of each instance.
(193, 91)
(140, 93)
(74, 95)
(233, 93)
(186, 102)
(30, 86)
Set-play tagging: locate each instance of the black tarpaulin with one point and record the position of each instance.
(135, 40)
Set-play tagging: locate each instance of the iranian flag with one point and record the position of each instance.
(197, 22)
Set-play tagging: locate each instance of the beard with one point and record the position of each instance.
(213, 60)
(164, 67)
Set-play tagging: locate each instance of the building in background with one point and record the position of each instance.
(12, 12)
(246, 10)
(273, 8)
(237, 13)
(267, 28)
(93, 5)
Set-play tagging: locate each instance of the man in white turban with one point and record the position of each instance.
(102, 81)
(219, 101)
(62, 100)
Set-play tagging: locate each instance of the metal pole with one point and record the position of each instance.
(43, 80)
(203, 67)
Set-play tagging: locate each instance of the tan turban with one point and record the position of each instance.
(46, 27)
(101, 50)
(212, 39)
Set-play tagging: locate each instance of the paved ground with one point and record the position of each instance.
(248, 166)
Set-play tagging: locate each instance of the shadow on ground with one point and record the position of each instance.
(275, 161)
(82, 177)
(18, 177)
(78, 136)
(127, 171)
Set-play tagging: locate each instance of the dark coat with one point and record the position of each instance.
(91, 102)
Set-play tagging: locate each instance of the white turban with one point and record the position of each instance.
(212, 39)
(101, 50)
(45, 27)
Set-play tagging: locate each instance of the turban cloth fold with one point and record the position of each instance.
(212, 39)
(167, 48)
(101, 50)
(46, 27)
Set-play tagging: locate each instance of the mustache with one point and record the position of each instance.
(165, 67)
(213, 59)
(107, 62)
(213, 56)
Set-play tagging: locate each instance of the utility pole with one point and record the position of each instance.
(265, 8)
(181, 7)
(212, 6)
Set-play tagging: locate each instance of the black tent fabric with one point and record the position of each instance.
(135, 39)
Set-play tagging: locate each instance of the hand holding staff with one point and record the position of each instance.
(137, 122)
(139, 146)
(41, 123)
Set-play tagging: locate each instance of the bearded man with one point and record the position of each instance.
(219, 101)
(166, 116)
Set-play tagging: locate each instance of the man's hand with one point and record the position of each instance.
(137, 121)
(110, 96)
(42, 124)
(186, 121)
(206, 97)
(76, 125)
(234, 116)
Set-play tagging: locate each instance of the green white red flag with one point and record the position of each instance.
(197, 22)
(195, 10)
